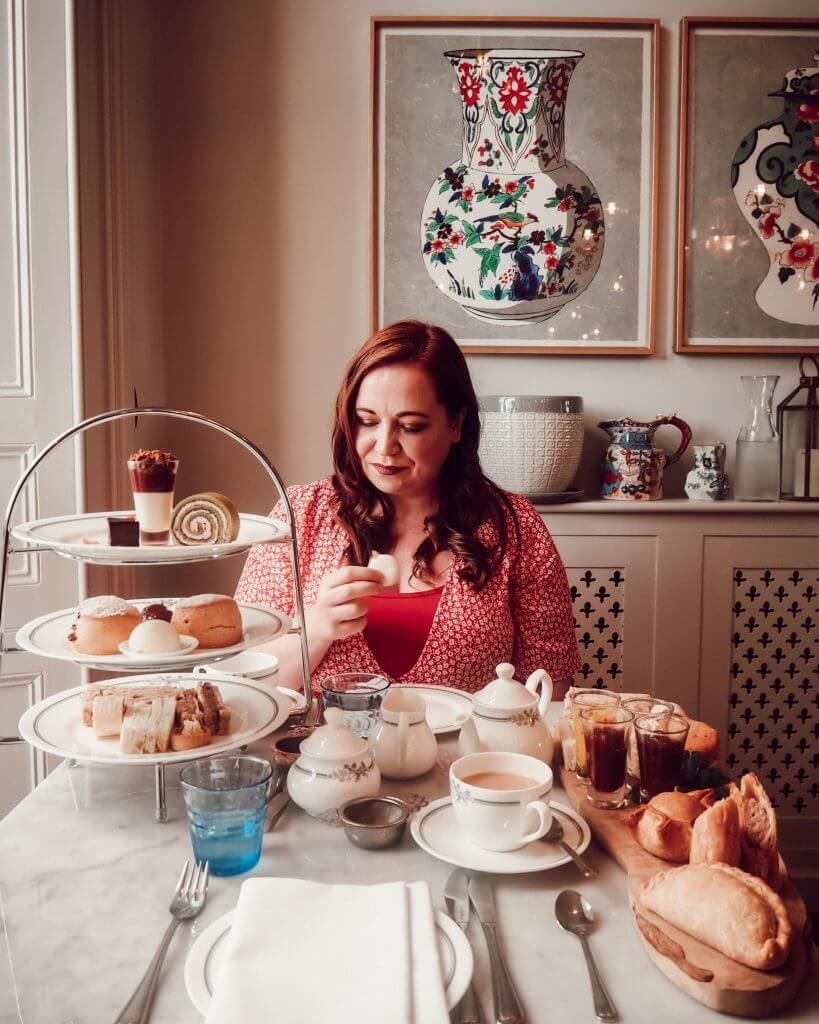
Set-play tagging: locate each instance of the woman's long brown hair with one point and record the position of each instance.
(467, 497)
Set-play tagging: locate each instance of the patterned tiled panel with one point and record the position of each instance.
(598, 603)
(773, 725)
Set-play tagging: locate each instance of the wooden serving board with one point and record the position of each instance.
(704, 973)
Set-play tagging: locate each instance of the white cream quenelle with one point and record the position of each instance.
(387, 565)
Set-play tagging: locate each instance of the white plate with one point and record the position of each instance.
(437, 832)
(188, 645)
(64, 534)
(208, 952)
(48, 637)
(55, 724)
(447, 708)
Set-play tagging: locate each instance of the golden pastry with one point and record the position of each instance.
(726, 908)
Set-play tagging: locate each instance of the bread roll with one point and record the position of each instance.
(664, 825)
(215, 620)
(103, 623)
(715, 837)
(703, 739)
(757, 822)
(726, 908)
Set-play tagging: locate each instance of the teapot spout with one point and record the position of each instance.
(468, 741)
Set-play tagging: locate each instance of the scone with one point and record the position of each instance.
(214, 619)
(726, 908)
(102, 624)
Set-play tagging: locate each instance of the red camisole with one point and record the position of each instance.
(398, 626)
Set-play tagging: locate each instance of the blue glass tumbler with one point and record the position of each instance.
(226, 800)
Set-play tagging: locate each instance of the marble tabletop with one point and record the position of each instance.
(86, 874)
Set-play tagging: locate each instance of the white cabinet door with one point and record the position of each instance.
(761, 635)
(38, 340)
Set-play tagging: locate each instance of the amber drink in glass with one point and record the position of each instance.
(582, 699)
(605, 734)
(660, 749)
(641, 706)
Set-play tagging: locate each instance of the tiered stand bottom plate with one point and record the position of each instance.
(733, 988)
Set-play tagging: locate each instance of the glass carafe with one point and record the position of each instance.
(756, 475)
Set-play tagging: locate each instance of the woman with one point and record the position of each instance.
(480, 579)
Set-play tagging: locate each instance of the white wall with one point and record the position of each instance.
(258, 157)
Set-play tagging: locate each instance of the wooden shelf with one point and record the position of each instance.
(680, 506)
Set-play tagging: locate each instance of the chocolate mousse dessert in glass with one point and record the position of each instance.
(153, 474)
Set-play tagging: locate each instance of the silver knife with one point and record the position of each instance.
(507, 1005)
(456, 897)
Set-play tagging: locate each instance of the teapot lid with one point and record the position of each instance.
(800, 82)
(335, 739)
(505, 691)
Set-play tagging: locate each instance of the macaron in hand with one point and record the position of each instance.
(387, 565)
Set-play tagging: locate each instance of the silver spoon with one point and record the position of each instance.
(555, 835)
(574, 914)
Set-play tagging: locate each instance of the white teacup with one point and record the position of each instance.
(258, 665)
(495, 813)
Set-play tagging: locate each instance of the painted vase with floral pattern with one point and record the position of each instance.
(775, 177)
(512, 231)
(708, 481)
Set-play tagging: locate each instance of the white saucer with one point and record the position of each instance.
(187, 644)
(208, 951)
(437, 832)
(447, 708)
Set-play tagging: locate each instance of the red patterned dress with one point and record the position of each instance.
(522, 615)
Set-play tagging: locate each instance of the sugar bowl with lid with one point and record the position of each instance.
(510, 716)
(334, 766)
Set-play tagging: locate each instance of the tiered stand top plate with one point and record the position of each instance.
(69, 536)
(734, 988)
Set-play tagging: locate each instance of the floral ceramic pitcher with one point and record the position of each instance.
(632, 466)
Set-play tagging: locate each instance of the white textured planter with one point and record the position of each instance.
(531, 444)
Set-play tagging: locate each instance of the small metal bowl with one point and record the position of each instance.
(286, 747)
(374, 822)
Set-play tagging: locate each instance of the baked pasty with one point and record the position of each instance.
(726, 908)
(716, 836)
(757, 821)
(664, 824)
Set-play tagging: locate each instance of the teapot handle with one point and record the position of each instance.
(685, 430)
(540, 677)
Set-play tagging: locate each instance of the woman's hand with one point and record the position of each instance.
(340, 609)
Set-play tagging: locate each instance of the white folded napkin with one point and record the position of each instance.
(347, 954)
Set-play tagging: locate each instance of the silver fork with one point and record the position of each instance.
(187, 903)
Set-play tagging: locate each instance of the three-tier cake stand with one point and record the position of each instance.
(37, 538)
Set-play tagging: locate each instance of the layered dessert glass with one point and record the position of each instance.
(153, 474)
(582, 699)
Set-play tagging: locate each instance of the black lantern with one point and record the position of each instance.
(797, 420)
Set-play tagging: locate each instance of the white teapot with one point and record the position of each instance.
(508, 716)
(334, 766)
(404, 745)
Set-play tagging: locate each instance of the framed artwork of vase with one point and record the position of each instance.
(748, 213)
(514, 181)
